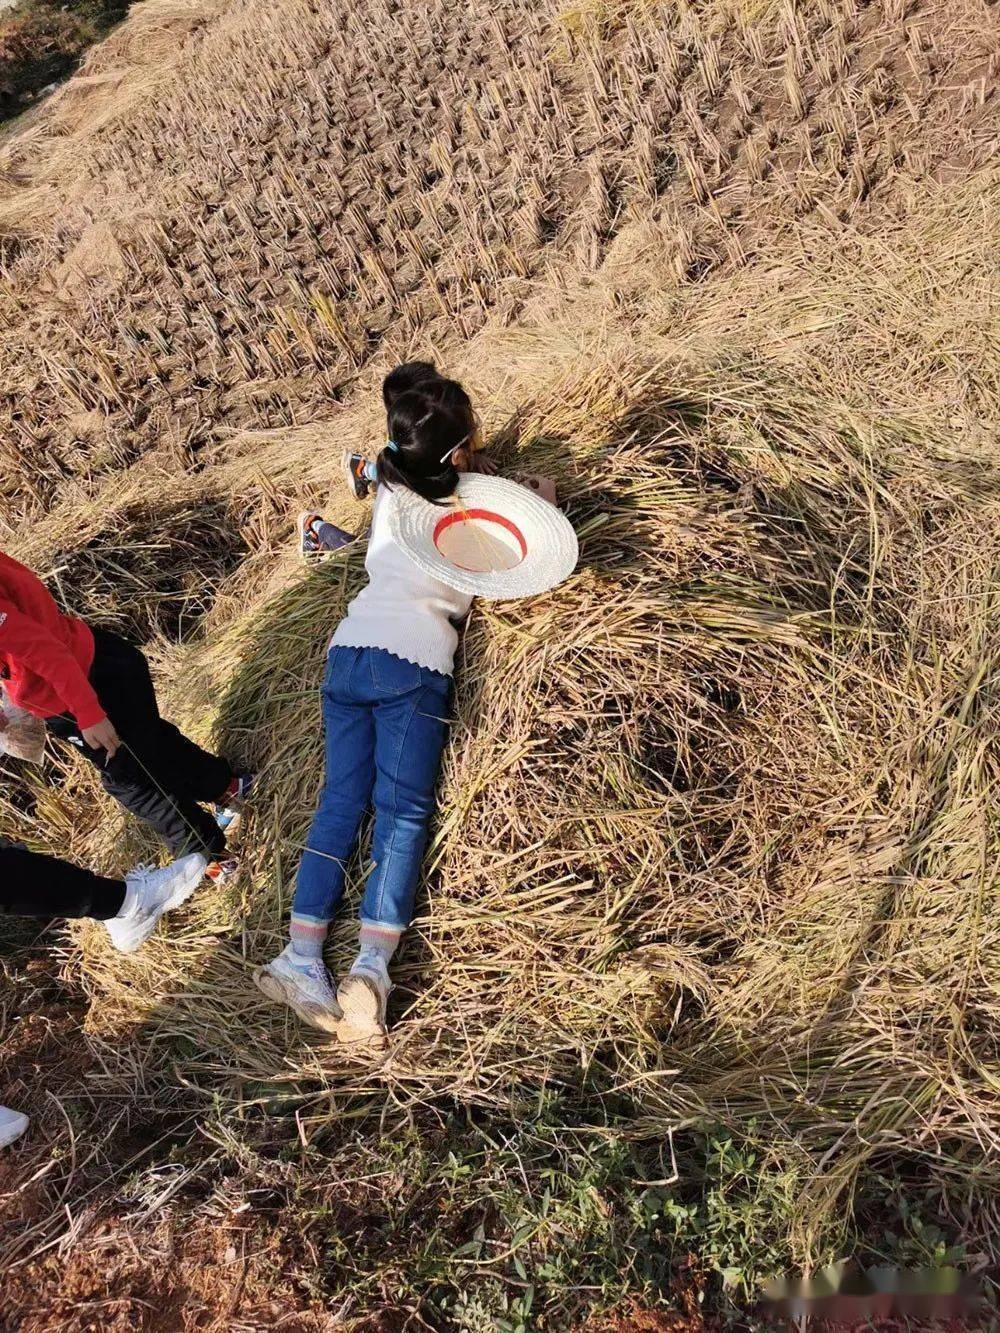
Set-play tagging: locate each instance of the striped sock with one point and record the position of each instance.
(383, 940)
(308, 936)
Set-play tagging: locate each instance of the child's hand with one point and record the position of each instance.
(474, 460)
(102, 736)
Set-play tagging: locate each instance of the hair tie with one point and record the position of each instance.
(392, 446)
(446, 458)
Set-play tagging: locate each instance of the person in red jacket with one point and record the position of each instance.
(94, 690)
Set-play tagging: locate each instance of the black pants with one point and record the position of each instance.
(43, 886)
(157, 773)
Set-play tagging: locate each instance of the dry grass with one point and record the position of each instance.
(247, 284)
(714, 843)
(712, 826)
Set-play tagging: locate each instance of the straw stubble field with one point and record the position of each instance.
(704, 982)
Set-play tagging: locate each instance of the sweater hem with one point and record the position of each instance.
(337, 642)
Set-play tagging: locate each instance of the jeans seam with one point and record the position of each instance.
(338, 694)
(392, 837)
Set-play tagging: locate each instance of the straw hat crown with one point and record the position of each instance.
(496, 539)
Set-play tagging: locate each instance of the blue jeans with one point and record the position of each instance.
(385, 721)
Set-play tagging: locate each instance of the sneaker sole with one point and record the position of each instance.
(363, 1021)
(352, 481)
(277, 989)
(180, 895)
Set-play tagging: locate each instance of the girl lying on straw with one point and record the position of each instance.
(385, 703)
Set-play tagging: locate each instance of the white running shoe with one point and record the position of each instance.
(304, 985)
(148, 894)
(12, 1125)
(363, 995)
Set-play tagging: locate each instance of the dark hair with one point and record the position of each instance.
(408, 376)
(426, 425)
(449, 393)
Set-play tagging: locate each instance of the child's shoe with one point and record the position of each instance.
(12, 1125)
(361, 474)
(309, 526)
(223, 869)
(317, 534)
(230, 808)
(362, 996)
(148, 894)
(304, 985)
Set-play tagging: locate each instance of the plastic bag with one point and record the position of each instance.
(23, 737)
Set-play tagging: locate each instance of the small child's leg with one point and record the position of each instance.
(379, 940)
(307, 936)
(410, 732)
(316, 534)
(298, 976)
(364, 992)
(332, 538)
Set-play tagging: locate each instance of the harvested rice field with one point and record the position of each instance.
(704, 986)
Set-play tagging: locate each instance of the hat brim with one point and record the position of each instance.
(532, 535)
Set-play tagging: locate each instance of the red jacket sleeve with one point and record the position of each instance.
(26, 641)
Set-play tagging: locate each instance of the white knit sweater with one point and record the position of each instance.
(402, 609)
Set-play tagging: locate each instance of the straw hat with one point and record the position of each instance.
(497, 540)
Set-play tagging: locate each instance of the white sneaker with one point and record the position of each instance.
(363, 995)
(149, 893)
(304, 985)
(12, 1125)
